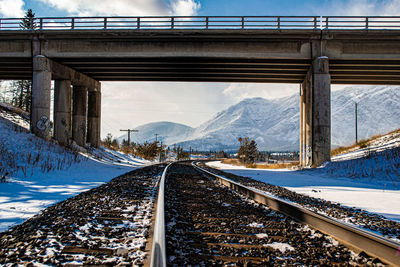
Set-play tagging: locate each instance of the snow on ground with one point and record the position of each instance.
(22, 197)
(378, 197)
(40, 173)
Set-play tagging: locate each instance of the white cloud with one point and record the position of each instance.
(124, 7)
(358, 8)
(185, 7)
(109, 7)
(12, 8)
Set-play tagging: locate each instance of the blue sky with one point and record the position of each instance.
(127, 105)
(52, 8)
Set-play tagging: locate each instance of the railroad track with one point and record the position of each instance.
(206, 220)
(212, 221)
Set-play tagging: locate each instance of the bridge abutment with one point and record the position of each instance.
(70, 105)
(315, 115)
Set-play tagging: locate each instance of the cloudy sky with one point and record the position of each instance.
(127, 105)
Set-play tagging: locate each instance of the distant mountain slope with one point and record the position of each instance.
(274, 124)
(168, 132)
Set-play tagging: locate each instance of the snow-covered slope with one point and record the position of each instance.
(40, 173)
(378, 112)
(168, 132)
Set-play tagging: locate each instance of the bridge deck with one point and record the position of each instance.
(208, 55)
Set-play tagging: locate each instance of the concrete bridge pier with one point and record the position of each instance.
(315, 115)
(41, 85)
(94, 117)
(62, 111)
(65, 125)
(79, 119)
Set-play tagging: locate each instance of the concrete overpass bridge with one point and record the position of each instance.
(79, 53)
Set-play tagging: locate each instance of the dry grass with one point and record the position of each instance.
(282, 165)
(361, 144)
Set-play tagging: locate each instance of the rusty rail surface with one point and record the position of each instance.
(207, 23)
(386, 250)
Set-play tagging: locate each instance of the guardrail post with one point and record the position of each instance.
(0, 24)
(72, 23)
(105, 23)
(206, 22)
(326, 23)
(41, 23)
(172, 22)
(279, 23)
(138, 23)
(315, 23)
(242, 22)
(366, 23)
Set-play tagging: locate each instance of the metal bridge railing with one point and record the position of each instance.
(208, 22)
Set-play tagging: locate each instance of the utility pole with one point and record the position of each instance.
(355, 110)
(156, 136)
(129, 134)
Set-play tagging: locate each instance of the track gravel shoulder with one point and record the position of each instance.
(107, 225)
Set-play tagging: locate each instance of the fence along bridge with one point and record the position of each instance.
(80, 52)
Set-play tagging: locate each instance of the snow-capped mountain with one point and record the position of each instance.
(257, 118)
(168, 132)
(274, 124)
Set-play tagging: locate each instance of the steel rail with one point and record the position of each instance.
(207, 22)
(158, 252)
(386, 250)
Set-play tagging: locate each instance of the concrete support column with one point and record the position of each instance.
(79, 104)
(94, 118)
(321, 112)
(306, 121)
(62, 111)
(40, 114)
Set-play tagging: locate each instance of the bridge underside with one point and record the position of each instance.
(186, 69)
(78, 60)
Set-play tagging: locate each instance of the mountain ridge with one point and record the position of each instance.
(274, 123)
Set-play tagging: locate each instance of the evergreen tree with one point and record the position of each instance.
(19, 92)
(29, 21)
(248, 150)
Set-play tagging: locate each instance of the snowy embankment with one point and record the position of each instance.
(39, 173)
(371, 183)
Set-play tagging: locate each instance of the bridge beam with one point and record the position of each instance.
(315, 115)
(62, 111)
(94, 118)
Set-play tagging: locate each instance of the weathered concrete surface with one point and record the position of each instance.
(321, 112)
(79, 121)
(306, 121)
(62, 111)
(40, 117)
(94, 118)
